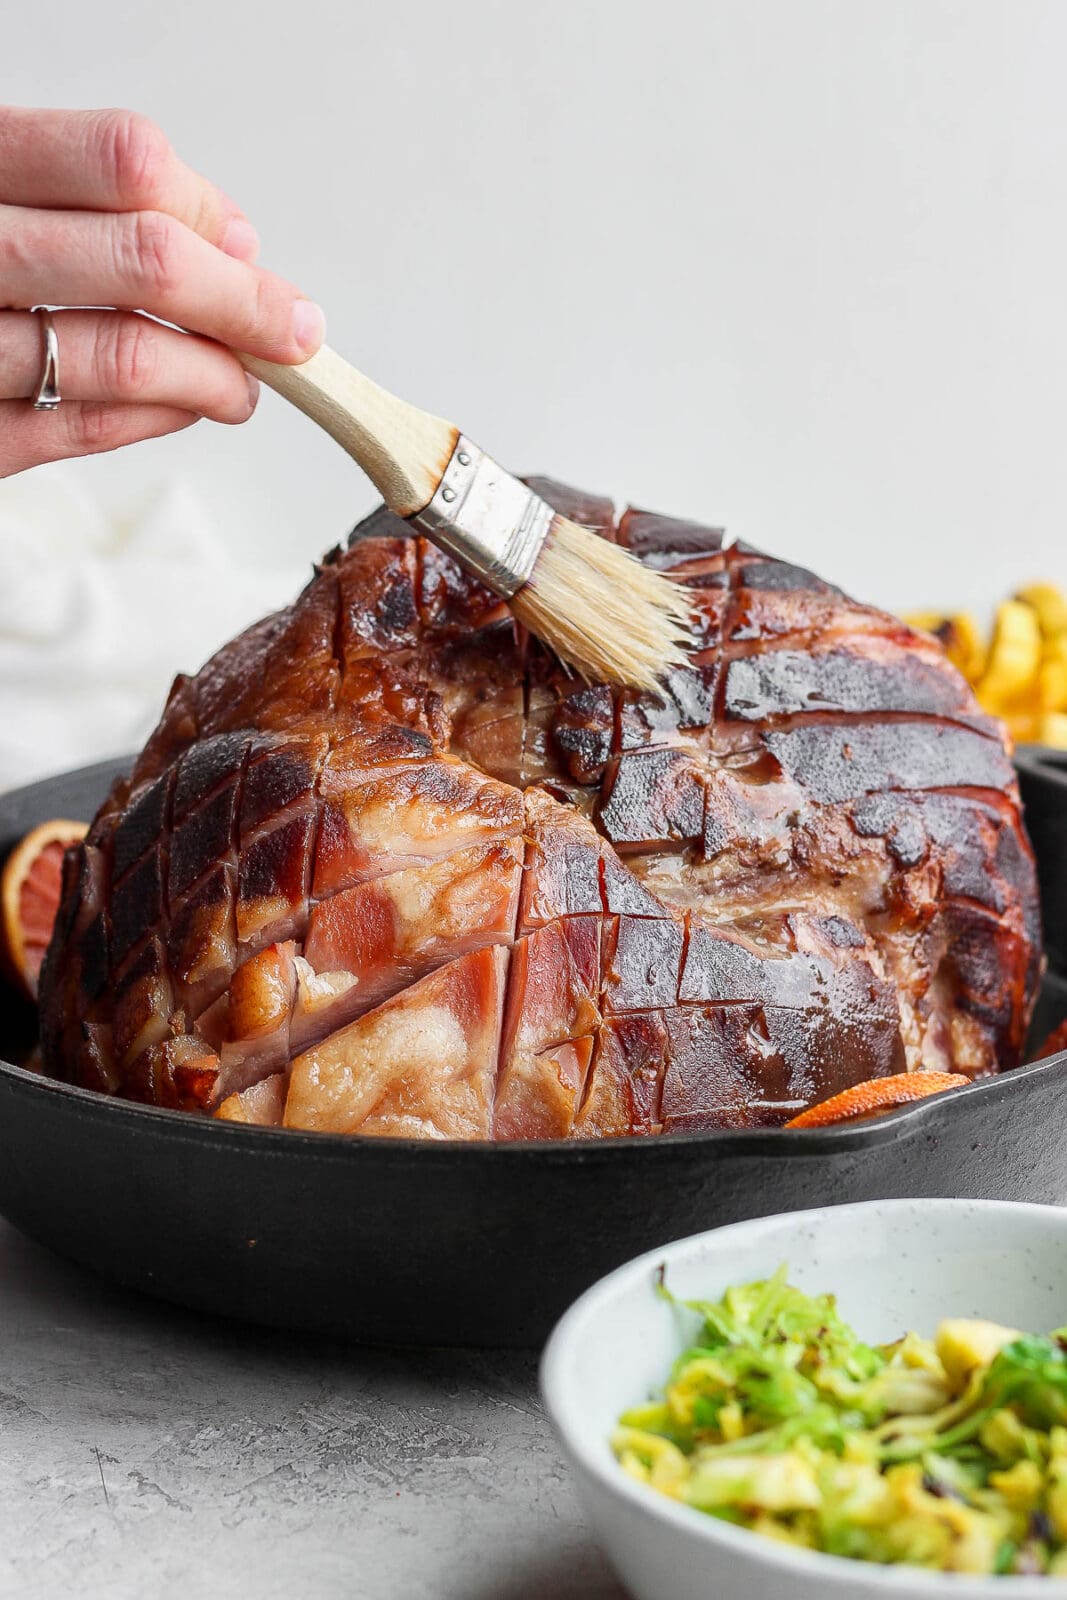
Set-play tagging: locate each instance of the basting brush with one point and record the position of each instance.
(594, 604)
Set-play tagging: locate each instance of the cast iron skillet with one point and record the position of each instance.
(392, 1241)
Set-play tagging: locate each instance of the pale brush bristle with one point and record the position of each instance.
(602, 611)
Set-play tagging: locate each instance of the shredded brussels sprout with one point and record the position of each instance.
(949, 1453)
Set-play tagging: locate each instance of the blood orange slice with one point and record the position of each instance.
(876, 1095)
(1053, 1044)
(29, 897)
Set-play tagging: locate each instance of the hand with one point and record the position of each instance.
(97, 210)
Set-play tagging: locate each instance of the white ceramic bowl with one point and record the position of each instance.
(894, 1265)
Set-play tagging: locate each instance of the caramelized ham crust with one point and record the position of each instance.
(383, 868)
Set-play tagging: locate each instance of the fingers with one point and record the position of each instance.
(112, 161)
(97, 209)
(120, 357)
(28, 437)
(149, 260)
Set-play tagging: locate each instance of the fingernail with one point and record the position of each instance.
(253, 391)
(309, 325)
(240, 239)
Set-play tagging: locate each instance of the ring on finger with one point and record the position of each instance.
(47, 396)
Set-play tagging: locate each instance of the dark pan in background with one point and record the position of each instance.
(1043, 779)
(394, 1241)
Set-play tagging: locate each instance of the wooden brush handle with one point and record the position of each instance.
(403, 451)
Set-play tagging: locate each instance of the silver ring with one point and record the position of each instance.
(48, 396)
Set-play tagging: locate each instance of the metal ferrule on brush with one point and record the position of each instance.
(493, 524)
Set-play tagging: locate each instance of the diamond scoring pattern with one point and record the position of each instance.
(713, 885)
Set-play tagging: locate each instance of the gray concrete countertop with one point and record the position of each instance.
(148, 1452)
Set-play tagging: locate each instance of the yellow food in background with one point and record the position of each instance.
(1052, 675)
(1053, 730)
(1020, 673)
(966, 645)
(1014, 657)
(1050, 604)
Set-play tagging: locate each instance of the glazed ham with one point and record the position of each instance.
(383, 868)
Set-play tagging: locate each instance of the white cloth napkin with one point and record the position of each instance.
(98, 612)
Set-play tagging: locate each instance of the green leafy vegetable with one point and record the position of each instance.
(947, 1454)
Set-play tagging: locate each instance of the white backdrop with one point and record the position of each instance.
(795, 265)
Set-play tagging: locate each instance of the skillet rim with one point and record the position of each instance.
(914, 1119)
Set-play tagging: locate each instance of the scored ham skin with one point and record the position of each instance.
(384, 868)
